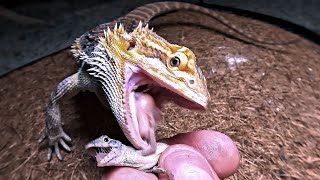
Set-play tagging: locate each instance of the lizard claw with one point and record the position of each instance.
(54, 143)
(159, 170)
(42, 136)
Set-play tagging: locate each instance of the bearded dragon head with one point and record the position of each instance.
(155, 71)
(171, 66)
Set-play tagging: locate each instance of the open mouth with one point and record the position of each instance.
(102, 155)
(94, 151)
(104, 150)
(144, 98)
(161, 95)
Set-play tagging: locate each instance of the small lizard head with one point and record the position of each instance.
(172, 66)
(105, 150)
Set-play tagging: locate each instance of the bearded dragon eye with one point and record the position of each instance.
(105, 139)
(175, 62)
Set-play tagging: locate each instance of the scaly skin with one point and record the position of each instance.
(134, 72)
(110, 152)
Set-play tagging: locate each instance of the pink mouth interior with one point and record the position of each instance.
(101, 154)
(145, 98)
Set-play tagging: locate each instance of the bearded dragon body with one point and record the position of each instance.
(133, 71)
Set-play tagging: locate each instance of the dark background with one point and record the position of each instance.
(32, 29)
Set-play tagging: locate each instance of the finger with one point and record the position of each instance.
(184, 162)
(220, 151)
(125, 173)
(57, 151)
(66, 137)
(49, 155)
(64, 145)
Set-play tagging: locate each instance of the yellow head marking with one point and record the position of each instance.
(149, 39)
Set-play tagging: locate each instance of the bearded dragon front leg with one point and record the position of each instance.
(67, 88)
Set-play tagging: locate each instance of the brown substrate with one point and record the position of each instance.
(267, 102)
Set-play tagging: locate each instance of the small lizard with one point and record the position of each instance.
(133, 71)
(110, 152)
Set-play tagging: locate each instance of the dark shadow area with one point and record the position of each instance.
(94, 119)
(34, 29)
(289, 26)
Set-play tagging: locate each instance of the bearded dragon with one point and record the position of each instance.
(133, 71)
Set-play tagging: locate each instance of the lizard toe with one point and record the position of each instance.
(64, 145)
(57, 151)
(42, 136)
(66, 137)
(49, 155)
